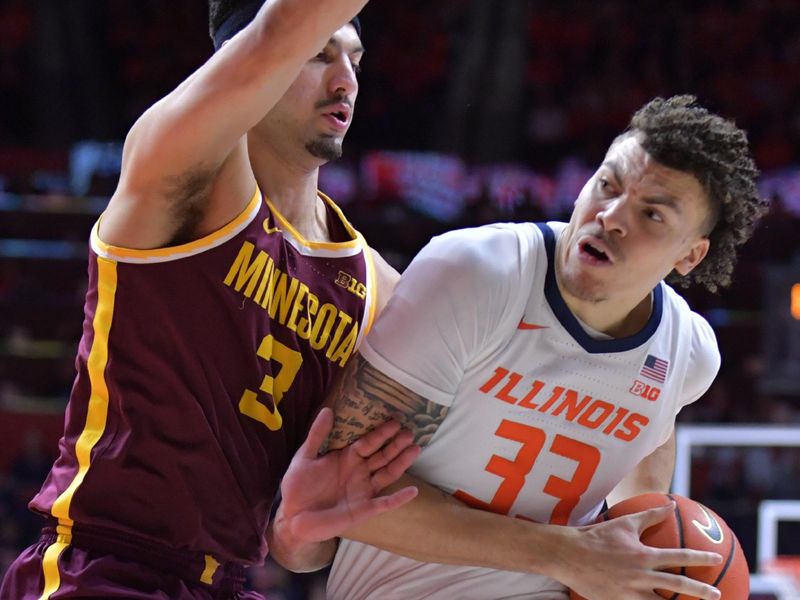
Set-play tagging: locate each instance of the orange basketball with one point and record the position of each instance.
(695, 526)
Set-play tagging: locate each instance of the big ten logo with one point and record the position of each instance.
(645, 391)
(351, 284)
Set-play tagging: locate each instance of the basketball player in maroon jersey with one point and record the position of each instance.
(225, 296)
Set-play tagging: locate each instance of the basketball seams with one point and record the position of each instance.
(728, 562)
(731, 549)
(681, 536)
(679, 532)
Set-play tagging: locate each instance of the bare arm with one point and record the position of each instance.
(325, 495)
(291, 551)
(653, 474)
(365, 398)
(434, 527)
(175, 152)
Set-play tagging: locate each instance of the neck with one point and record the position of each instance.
(291, 186)
(617, 316)
(606, 318)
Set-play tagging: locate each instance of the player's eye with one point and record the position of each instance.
(654, 215)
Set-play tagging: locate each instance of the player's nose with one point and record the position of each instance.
(613, 216)
(343, 80)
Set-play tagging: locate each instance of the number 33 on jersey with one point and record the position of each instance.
(545, 418)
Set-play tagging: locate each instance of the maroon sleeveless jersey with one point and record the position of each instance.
(200, 370)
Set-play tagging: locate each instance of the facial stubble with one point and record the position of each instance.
(327, 148)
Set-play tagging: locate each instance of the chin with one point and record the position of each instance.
(583, 288)
(591, 295)
(326, 148)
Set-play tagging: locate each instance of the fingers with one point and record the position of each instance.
(666, 558)
(382, 504)
(653, 516)
(317, 434)
(392, 471)
(681, 585)
(368, 508)
(375, 439)
(390, 451)
(322, 525)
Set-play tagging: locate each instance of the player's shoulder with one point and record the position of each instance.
(702, 340)
(470, 238)
(682, 313)
(497, 248)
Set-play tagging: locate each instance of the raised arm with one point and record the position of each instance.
(188, 149)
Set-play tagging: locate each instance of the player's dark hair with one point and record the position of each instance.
(227, 17)
(218, 12)
(680, 134)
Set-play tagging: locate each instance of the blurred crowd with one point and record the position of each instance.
(86, 69)
(593, 63)
(78, 70)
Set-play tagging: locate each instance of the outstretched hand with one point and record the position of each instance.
(613, 564)
(324, 495)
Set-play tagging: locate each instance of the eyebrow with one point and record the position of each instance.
(338, 45)
(668, 201)
(614, 168)
(663, 200)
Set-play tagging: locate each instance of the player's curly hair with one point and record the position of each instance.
(680, 134)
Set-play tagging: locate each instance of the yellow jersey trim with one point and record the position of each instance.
(211, 568)
(96, 418)
(287, 227)
(52, 578)
(212, 240)
(372, 288)
(97, 412)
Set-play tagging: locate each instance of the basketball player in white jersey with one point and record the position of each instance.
(542, 367)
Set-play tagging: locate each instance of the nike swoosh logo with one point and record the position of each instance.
(267, 228)
(710, 529)
(530, 326)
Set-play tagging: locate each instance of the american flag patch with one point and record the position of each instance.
(655, 368)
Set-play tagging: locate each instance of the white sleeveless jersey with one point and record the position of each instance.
(544, 419)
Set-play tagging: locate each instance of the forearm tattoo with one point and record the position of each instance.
(365, 398)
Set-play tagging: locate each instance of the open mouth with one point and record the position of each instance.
(339, 116)
(594, 252)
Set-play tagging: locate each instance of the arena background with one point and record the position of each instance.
(470, 112)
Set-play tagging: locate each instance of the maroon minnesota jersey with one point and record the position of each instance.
(200, 370)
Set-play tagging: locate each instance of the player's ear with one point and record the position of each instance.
(693, 257)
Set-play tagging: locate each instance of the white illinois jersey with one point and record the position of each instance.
(544, 419)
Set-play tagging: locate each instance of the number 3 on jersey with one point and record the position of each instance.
(290, 362)
(514, 471)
